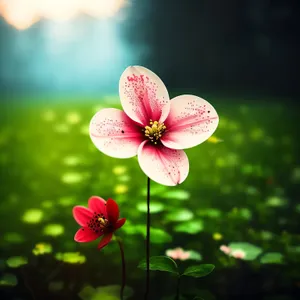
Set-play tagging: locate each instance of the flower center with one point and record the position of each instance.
(155, 131)
(98, 223)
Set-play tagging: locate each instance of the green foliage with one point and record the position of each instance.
(42, 248)
(179, 215)
(55, 286)
(33, 216)
(191, 227)
(13, 238)
(16, 261)
(194, 255)
(54, 166)
(176, 195)
(251, 251)
(53, 230)
(276, 201)
(158, 236)
(8, 279)
(210, 213)
(71, 257)
(155, 207)
(199, 270)
(109, 292)
(160, 263)
(272, 258)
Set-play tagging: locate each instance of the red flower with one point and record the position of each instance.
(101, 218)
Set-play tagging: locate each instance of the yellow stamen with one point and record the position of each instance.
(155, 131)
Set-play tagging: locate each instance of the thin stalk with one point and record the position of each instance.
(178, 288)
(148, 241)
(123, 267)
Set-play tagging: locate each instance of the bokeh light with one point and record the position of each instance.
(24, 13)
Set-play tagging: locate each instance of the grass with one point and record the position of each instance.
(242, 190)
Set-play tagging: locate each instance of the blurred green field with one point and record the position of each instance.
(243, 189)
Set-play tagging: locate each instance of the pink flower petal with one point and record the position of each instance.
(86, 235)
(238, 254)
(185, 255)
(143, 95)
(98, 205)
(82, 215)
(225, 249)
(105, 240)
(163, 165)
(172, 254)
(191, 121)
(114, 134)
(120, 223)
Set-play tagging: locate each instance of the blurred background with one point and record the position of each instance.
(60, 62)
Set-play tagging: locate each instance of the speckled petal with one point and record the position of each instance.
(192, 120)
(98, 205)
(143, 95)
(115, 134)
(84, 235)
(163, 165)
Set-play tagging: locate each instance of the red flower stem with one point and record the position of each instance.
(123, 266)
(148, 241)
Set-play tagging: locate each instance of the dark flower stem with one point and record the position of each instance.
(119, 240)
(148, 241)
(178, 288)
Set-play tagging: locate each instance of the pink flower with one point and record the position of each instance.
(238, 254)
(101, 218)
(225, 249)
(153, 127)
(178, 253)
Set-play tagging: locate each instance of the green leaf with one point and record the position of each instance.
(176, 195)
(199, 270)
(294, 249)
(160, 263)
(8, 279)
(251, 251)
(16, 261)
(276, 201)
(158, 236)
(210, 213)
(155, 207)
(156, 190)
(191, 227)
(194, 255)
(109, 292)
(272, 258)
(178, 215)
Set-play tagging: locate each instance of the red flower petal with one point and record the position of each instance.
(120, 223)
(98, 205)
(105, 240)
(82, 215)
(112, 211)
(84, 235)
